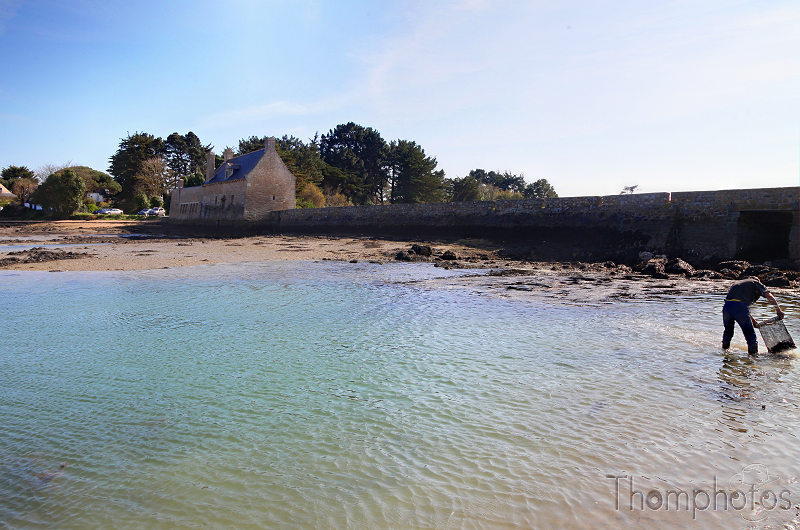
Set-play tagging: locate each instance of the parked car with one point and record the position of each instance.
(102, 211)
(113, 211)
(158, 211)
(145, 211)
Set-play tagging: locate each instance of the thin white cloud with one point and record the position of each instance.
(258, 114)
(472, 5)
(530, 85)
(635, 66)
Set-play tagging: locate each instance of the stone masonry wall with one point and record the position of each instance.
(210, 202)
(698, 225)
(701, 226)
(270, 187)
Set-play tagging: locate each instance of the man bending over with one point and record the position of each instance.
(740, 297)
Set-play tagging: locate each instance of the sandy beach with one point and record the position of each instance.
(139, 245)
(99, 245)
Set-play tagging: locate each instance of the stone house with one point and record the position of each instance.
(5, 194)
(244, 188)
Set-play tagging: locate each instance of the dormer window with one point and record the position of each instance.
(228, 171)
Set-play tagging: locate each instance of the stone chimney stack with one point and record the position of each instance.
(269, 145)
(227, 154)
(210, 159)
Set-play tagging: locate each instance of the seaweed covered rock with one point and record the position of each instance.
(421, 250)
(777, 281)
(678, 266)
(758, 271)
(737, 266)
(655, 268)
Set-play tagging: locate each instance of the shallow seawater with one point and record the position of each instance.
(300, 394)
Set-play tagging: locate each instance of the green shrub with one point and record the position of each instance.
(141, 201)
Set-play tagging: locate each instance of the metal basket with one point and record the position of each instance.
(775, 335)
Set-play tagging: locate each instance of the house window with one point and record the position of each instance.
(273, 197)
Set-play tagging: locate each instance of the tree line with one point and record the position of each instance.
(349, 165)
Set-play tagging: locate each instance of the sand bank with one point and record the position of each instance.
(139, 245)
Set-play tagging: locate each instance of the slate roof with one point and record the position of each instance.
(242, 166)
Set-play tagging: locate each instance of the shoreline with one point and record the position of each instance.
(142, 245)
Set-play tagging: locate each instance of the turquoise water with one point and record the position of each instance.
(300, 394)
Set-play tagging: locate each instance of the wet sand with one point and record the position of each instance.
(138, 245)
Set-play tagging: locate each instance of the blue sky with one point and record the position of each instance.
(593, 95)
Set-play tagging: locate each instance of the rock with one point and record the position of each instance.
(353, 261)
(403, 256)
(778, 281)
(624, 269)
(645, 256)
(729, 274)
(678, 266)
(609, 265)
(655, 268)
(738, 266)
(709, 274)
(449, 255)
(757, 270)
(421, 250)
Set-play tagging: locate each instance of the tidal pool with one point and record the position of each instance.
(303, 394)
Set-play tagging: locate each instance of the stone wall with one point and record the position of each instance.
(209, 202)
(701, 226)
(708, 223)
(271, 187)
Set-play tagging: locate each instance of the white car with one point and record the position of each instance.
(160, 212)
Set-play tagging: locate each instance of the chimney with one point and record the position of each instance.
(227, 154)
(210, 159)
(269, 144)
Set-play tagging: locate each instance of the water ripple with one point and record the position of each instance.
(325, 395)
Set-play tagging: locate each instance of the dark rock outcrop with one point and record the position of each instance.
(421, 250)
(678, 266)
(737, 266)
(655, 268)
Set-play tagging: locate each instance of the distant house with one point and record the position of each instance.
(5, 194)
(96, 196)
(245, 187)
